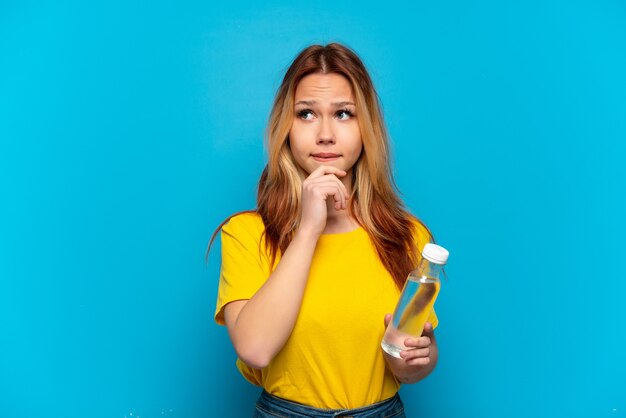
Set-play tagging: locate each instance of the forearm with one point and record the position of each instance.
(262, 326)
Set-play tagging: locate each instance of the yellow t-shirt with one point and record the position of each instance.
(333, 357)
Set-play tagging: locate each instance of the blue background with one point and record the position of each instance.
(129, 130)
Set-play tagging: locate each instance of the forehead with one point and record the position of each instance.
(322, 86)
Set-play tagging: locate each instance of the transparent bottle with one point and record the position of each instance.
(416, 301)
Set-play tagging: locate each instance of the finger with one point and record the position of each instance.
(428, 327)
(341, 189)
(343, 186)
(420, 342)
(326, 169)
(331, 178)
(414, 353)
(419, 362)
(387, 319)
(342, 192)
(338, 196)
(331, 190)
(328, 180)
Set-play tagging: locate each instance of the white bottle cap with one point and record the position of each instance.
(435, 254)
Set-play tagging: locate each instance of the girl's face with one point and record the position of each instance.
(325, 130)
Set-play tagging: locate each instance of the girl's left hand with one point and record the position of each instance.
(418, 349)
(419, 358)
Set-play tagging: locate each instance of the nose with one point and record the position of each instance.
(326, 134)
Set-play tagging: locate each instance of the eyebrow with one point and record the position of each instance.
(314, 102)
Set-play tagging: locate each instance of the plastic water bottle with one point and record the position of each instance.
(416, 301)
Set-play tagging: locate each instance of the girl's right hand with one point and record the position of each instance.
(322, 183)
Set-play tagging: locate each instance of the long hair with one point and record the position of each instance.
(374, 203)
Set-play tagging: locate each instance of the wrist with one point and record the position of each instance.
(307, 233)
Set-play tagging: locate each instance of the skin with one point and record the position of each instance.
(325, 141)
(325, 124)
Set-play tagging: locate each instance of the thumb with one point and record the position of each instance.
(387, 319)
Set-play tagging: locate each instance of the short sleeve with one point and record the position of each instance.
(244, 261)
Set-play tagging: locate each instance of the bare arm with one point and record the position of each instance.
(259, 327)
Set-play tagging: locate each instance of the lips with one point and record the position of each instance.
(325, 156)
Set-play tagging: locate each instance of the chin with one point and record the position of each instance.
(328, 164)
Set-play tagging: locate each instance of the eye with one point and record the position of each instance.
(305, 114)
(344, 114)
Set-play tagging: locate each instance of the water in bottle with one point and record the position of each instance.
(416, 301)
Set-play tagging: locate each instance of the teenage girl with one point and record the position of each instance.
(308, 278)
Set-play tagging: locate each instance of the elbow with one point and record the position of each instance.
(256, 359)
(254, 362)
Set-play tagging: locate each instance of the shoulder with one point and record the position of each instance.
(244, 228)
(244, 222)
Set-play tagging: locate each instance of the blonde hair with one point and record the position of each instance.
(374, 203)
